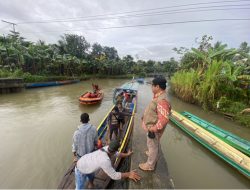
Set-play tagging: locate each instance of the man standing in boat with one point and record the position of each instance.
(154, 121)
(115, 119)
(100, 159)
(84, 140)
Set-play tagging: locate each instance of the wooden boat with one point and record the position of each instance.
(64, 82)
(235, 158)
(127, 87)
(140, 80)
(101, 180)
(235, 141)
(91, 98)
(47, 84)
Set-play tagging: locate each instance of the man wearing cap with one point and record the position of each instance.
(84, 140)
(100, 159)
(154, 121)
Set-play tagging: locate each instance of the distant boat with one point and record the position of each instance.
(47, 84)
(101, 180)
(140, 80)
(92, 97)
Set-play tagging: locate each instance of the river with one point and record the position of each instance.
(36, 128)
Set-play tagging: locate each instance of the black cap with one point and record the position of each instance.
(114, 146)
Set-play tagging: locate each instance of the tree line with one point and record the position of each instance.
(72, 55)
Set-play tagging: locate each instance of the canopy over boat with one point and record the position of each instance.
(130, 87)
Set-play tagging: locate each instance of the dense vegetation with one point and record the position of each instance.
(211, 75)
(72, 56)
(215, 77)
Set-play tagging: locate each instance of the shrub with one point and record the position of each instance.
(243, 119)
(229, 106)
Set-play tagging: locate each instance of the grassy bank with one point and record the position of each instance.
(29, 78)
(208, 94)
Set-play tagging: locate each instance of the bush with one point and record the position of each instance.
(229, 106)
(142, 74)
(4, 73)
(243, 119)
(27, 77)
(184, 85)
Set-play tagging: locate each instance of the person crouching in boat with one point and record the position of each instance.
(85, 139)
(100, 159)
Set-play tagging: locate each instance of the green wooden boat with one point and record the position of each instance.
(235, 141)
(229, 154)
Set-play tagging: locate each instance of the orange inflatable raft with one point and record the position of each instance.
(91, 98)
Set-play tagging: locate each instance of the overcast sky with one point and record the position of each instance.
(97, 21)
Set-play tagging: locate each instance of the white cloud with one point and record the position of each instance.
(151, 42)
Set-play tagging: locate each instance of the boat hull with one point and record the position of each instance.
(235, 141)
(232, 156)
(47, 84)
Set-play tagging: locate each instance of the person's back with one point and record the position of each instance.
(84, 139)
(98, 159)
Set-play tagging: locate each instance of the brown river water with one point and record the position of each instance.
(36, 128)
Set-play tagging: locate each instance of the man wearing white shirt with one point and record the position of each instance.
(100, 159)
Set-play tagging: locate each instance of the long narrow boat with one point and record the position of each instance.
(228, 153)
(127, 87)
(140, 80)
(47, 84)
(235, 141)
(101, 180)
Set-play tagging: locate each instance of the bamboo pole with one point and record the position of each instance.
(227, 150)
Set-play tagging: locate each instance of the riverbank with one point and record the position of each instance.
(232, 110)
(29, 78)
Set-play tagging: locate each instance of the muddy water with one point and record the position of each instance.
(190, 164)
(36, 128)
